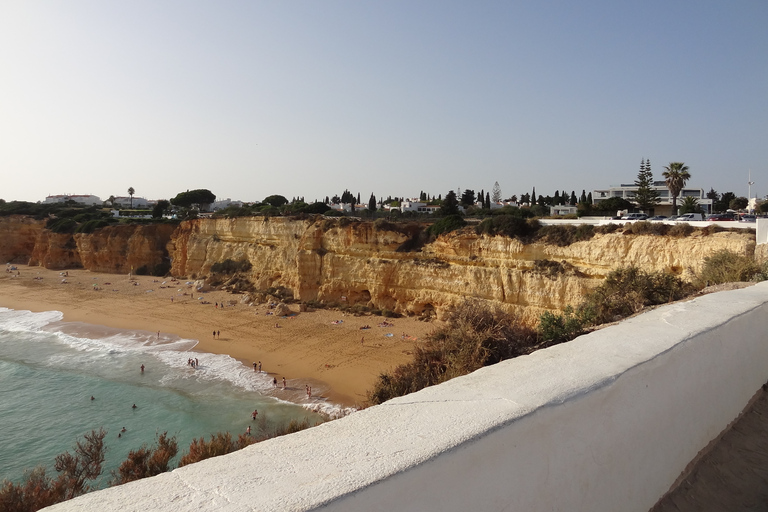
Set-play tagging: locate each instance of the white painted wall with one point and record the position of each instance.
(606, 422)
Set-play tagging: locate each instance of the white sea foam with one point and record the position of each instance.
(173, 352)
(12, 320)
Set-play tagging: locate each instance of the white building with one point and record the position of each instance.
(664, 207)
(225, 203)
(125, 202)
(563, 210)
(86, 199)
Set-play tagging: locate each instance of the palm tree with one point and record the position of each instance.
(676, 175)
(130, 193)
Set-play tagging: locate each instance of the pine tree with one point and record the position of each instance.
(573, 198)
(646, 197)
(583, 198)
(487, 204)
(533, 196)
(496, 193)
(372, 203)
(450, 205)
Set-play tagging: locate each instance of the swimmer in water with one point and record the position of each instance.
(134, 406)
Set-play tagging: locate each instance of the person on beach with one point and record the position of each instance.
(274, 382)
(254, 366)
(283, 383)
(142, 368)
(197, 363)
(214, 334)
(362, 339)
(218, 334)
(254, 414)
(259, 366)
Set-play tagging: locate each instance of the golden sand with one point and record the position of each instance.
(324, 347)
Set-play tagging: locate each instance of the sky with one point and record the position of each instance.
(311, 98)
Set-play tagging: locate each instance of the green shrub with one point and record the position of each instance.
(726, 267)
(565, 326)
(446, 225)
(61, 225)
(92, 225)
(513, 226)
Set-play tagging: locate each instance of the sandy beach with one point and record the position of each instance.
(325, 349)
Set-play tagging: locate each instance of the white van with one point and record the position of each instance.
(690, 216)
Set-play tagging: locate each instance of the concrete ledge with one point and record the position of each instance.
(606, 422)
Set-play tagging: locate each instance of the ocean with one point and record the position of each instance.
(50, 369)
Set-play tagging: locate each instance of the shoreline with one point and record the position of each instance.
(306, 347)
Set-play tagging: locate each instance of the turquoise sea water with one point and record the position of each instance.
(49, 370)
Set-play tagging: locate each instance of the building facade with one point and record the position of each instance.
(664, 207)
(86, 199)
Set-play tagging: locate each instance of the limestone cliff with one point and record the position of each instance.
(18, 235)
(341, 260)
(120, 249)
(333, 261)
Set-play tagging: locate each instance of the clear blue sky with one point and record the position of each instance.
(308, 98)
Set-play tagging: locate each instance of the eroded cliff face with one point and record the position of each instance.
(121, 249)
(114, 249)
(332, 261)
(18, 235)
(336, 260)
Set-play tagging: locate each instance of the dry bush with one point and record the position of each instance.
(221, 443)
(564, 235)
(726, 267)
(646, 228)
(605, 229)
(628, 290)
(680, 230)
(75, 471)
(474, 336)
(147, 461)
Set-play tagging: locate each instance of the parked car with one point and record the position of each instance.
(658, 217)
(748, 218)
(690, 216)
(634, 216)
(721, 217)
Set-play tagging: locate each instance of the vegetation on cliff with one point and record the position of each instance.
(78, 472)
(476, 336)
